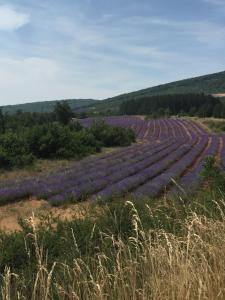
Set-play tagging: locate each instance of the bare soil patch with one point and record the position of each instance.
(11, 213)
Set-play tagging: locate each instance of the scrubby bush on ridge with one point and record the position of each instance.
(55, 141)
(112, 136)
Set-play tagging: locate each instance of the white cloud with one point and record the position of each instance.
(38, 79)
(10, 19)
(29, 79)
(76, 56)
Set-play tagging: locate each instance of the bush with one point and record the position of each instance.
(213, 175)
(216, 126)
(57, 141)
(112, 136)
(14, 151)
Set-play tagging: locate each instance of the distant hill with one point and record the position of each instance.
(207, 84)
(47, 106)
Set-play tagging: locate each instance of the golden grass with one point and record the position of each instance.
(150, 265)
(10, 214)
(209, 124)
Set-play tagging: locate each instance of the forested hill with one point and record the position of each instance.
(177, 104)
(46, 106)
(207, 84)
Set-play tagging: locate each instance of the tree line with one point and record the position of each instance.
(25, 137)
(166, 105)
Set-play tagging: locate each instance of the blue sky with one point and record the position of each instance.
(54, 49)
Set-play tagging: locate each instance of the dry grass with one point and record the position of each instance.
(210, 124)
(150, 265)
(40, 166)
(10, 214)
(43, 166)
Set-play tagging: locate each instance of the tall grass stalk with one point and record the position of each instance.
(149, 264)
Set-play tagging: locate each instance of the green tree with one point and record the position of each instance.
(14, 151)
(63, 112)
(192, 111)
(167, 112)
(2, 122)
(212, 174)
(83, 115)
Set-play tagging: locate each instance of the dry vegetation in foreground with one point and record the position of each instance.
(212, 124)
(132, 251)
(11, 214)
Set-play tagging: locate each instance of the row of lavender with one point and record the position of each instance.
(223, 152)
(173, 148)
(70, 180)
(152, 129)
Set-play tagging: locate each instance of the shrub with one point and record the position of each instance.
(112, 136)
(57, 141)
(63, 112)
(14, 151)
(212, 174)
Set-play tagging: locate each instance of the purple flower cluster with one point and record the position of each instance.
(167, 148)
(223, 152)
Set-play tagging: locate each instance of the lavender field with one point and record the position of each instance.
(166, 150)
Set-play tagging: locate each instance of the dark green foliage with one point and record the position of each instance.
(219, 110)
(14, 151)
(20, 120)
(166, 105)
(212, 174)
(208, 84)
(83, 115)
(34, 135)
(76, 126)
(2, 122)
(63, 112)
(57, 141)
(46, 106)
(12, 253)
(112, 136)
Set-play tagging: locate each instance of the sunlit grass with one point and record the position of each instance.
(170, 249)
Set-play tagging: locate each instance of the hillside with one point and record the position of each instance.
(177, 104)
(208, 84)
(46, 106)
